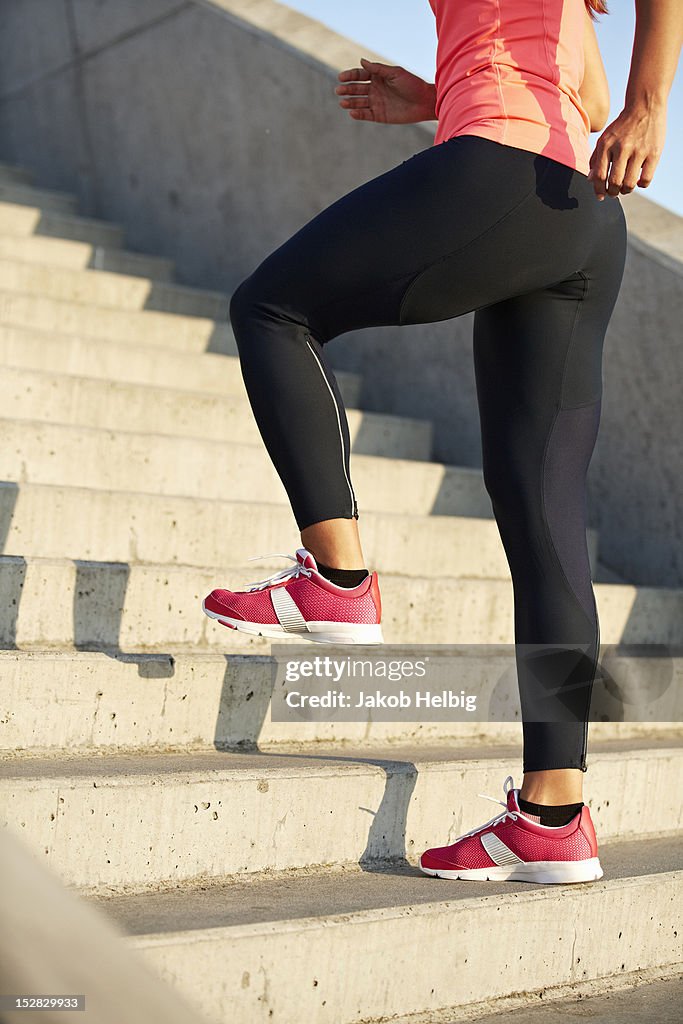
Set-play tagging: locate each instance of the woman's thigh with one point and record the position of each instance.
(453, 228)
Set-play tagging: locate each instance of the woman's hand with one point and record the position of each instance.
(628, 151)
(385, 94)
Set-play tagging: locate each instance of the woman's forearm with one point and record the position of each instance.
(656, 51)
(594, 89)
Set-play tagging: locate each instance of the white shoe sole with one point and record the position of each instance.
(317, 632)
(545, 871)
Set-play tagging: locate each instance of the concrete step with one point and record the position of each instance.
(100, 288)
(116, 526)
(58, 602)
(601, 1002)
(21, 220)
(350, 945)
(44, 199)
(11, 175)
(165, 331)
(82, 356)
(60, 252)
(102, 701)
(50, 453)
(87, 401)
(126, 821)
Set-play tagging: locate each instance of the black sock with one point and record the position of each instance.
(343, 577)
(551, 815)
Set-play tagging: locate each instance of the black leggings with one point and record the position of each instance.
(467, 225)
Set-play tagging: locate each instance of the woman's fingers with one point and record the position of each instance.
(354, 75)
(627, 153)
(616, 172)
(353, 89)
(383, 70)
(364, 74)
(355, 102)
(632, 172)
(599, 166)
(648, 171)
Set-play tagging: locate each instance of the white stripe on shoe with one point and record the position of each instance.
(499, 853)
(287, 611)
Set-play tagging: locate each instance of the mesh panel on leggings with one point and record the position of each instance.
(564, 473)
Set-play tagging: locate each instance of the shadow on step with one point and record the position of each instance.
(9, 492)
(15, 575)
(243, 709)
(98, 602)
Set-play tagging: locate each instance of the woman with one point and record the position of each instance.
(509, 215)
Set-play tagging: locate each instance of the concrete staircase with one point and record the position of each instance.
(264, 868)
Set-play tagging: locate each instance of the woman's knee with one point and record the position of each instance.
(243, 305)
(511, 482)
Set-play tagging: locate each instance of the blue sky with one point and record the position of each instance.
(403, 31)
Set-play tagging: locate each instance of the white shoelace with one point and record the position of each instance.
(291, 572)
(499, 817)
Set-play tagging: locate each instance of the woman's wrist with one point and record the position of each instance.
(645, 101)
(428, 107)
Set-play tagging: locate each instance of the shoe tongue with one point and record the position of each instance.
(512, 800)
(306, 558)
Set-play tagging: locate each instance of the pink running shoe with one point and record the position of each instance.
(298, 601)
(513, 847)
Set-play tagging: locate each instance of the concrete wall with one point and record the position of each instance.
(212, 132)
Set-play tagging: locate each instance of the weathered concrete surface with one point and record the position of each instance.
(115, 526)
(58, 602)
(17, 175)
(237, 947)
(126, 821)
(18, 220)
(172, 700)
(656, 1000)
(57, 202)
(637, 483)
(62, 252)
(54, 453)
(62, 398)
(294, 896)
(106, 288)
(84, 356)
(186, 332)
(219, 176)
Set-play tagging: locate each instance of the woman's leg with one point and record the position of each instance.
(539, 383)
(373, 258)
(469, 224)
(538, 369)
(427, 241)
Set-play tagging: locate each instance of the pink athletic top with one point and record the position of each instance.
(510, 70)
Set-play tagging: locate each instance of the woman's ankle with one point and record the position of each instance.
(334, 543)
(554, 787)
